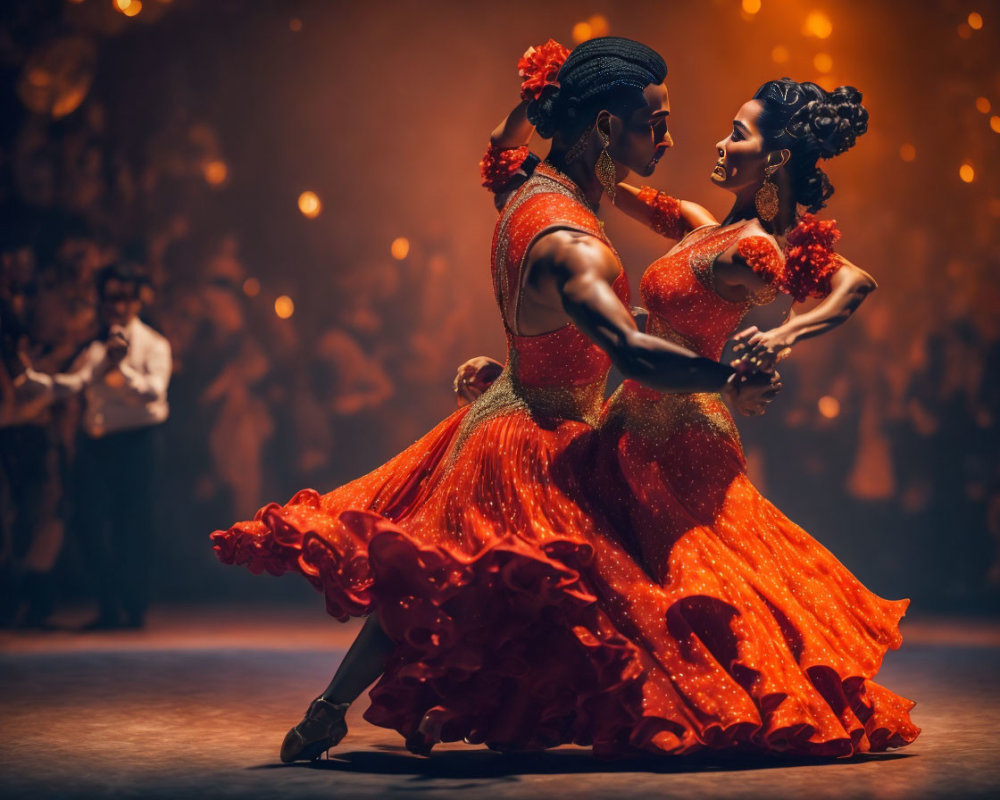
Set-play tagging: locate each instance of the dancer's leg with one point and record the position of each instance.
(323, 725)
(364, 662)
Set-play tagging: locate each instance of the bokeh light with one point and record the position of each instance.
(582, 32)
(310, 205)
(908, 152)
(983, 105)
(964, 31)
(823, 62)
(251, 287)
(780, 54)
(283, 306)
(995, 123)
(294, 24)
(966, 172)
(400, 248)
(751, 6)
(599, 25)
(216, 172)
(829, 406)
(130, 8)
(818, 24)
(975, 21)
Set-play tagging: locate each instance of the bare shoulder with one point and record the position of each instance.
(566, 253)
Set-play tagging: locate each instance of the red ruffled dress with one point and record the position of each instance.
(472, 544)
(778, 641)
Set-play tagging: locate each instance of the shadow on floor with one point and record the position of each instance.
(488, 764)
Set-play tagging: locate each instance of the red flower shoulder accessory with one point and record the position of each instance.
(500, 165)
(810, 261)
(539, 67)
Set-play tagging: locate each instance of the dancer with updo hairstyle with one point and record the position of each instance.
(486, 576)
(785, 633)
(777, 642)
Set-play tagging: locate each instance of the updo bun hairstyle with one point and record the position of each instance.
(813, 124)
(606, 73)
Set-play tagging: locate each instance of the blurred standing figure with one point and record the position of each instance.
(123, 377)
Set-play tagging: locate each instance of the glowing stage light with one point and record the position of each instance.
(967, 173)
(251, 288)
(818, 24)
(829, 406)
(823, 62)
(995, 123)
(983, 105)
(975, 21)
(582, 32)
(751, 6)
(599, 25)
(400, 248)
(780, 54)
(216, 172)
(130, 8)
(310, 205)
(295, 24)
(908, 152)
(283, 306)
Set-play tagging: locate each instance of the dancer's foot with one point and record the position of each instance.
(321, 728)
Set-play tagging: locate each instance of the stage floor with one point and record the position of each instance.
(197, 705)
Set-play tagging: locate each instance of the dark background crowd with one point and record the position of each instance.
(298, 181)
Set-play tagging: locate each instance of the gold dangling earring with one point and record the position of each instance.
(604, 169)
(766, 198)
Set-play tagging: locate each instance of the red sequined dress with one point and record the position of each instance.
(779, 641)
(472, 544)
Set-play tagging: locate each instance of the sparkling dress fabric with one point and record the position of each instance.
(473, 545)
(777, 642)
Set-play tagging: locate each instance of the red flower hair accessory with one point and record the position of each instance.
(810, 261)
(539, 67)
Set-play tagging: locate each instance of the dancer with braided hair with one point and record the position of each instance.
(781, 641)
(483, 568)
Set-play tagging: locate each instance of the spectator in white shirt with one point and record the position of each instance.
(123, 377)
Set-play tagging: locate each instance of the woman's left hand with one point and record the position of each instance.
(762, 349)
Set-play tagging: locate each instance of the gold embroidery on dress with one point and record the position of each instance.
(507, 395)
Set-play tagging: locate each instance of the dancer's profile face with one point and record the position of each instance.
(645, 136)
(742, 155)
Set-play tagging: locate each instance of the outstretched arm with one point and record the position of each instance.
(850, 285)
(571, 274)
(664, 214)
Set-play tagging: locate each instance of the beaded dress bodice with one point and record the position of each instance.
(560, 373)
(679, 293)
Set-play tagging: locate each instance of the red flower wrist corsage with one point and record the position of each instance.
(539, 67)
(665, 212)
(499, 165)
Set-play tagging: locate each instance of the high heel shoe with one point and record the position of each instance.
(321, 728)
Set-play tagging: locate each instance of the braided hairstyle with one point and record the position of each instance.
(812, 124)
(608, 73)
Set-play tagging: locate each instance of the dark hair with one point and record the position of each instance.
(812, 124)
(124, 272)
(607, 73)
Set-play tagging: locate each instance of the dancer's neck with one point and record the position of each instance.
(581, 172)
(745, 208)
